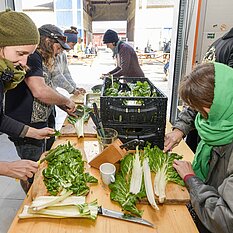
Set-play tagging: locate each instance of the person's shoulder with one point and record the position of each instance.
(36, 55)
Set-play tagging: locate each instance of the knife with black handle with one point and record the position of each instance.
(118, 215)
(98, 128)
(96, 112)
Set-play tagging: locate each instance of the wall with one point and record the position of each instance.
(216, 20)
(153, 31)
(87, 27)
(131, 20)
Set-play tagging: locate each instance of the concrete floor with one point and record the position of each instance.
(11, 193)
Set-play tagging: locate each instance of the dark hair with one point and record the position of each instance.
(47, 52)
(197, 88)
(72, 30)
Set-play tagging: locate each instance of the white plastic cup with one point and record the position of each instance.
(107, 172)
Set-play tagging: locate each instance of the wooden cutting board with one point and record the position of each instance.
(175, 194)
(68, 129)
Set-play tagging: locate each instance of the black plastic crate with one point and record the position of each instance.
(133, 110)
(135, 117)
(153, 135)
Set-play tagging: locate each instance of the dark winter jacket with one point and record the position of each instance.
(221, 50)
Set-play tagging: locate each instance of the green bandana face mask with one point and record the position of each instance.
(10, 75)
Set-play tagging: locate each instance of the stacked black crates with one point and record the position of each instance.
(134, 117)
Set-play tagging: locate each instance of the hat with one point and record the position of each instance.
(16, 28)
(55, 33)
(71, 37)
(110, 36)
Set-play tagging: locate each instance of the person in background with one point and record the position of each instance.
(127, 60)
(32, 101)
(62, 78)
(220, 51)
(19, 38)
(210, 178)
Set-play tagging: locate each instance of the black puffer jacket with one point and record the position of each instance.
(221, 50)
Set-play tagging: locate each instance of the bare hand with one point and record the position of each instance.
(40, 133)
(70, 108)
(79, 91)
(21, 169)
(183, 168)
(172, 139)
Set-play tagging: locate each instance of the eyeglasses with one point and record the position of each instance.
(55, 36)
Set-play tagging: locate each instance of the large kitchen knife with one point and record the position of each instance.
(118, 215)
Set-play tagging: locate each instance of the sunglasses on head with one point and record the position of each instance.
(55, 36)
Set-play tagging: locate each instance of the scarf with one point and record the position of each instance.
(217, 130)
(11, 76)
(117, 48)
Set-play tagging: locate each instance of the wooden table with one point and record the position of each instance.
(169, 219)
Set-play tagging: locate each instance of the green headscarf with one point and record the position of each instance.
(217, 130)
(18, 74)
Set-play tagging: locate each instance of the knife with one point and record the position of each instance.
(118, 215)
(96, 112)
(132, 144)
(98, 128)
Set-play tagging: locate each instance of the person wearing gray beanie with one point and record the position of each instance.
(127, 60)
(18, 39)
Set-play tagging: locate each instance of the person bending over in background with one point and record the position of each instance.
(127, 60)
(210, 178)
(33, 100)
(220, 51)
(18, 39)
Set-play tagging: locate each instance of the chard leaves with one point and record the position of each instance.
(120, 188)
(66, 171)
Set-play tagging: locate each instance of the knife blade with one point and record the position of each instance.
(118, 215)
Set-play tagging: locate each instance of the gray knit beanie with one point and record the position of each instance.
(16, 28)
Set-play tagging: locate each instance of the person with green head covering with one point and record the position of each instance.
(19, 38)
(208, 89)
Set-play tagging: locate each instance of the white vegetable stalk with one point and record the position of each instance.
(72, 200)
(84, 210)
(41, 205)
(79, 127)
(148, 184)
(136, 178)
(160, 183)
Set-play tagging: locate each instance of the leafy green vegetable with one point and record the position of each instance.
(120, 189)
(82, 111)
(57, 133)
(138, 89)
(66, 171)
(161, 163)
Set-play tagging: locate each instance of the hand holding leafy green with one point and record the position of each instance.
(66, 171)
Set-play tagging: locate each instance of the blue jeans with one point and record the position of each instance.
(30, 151)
